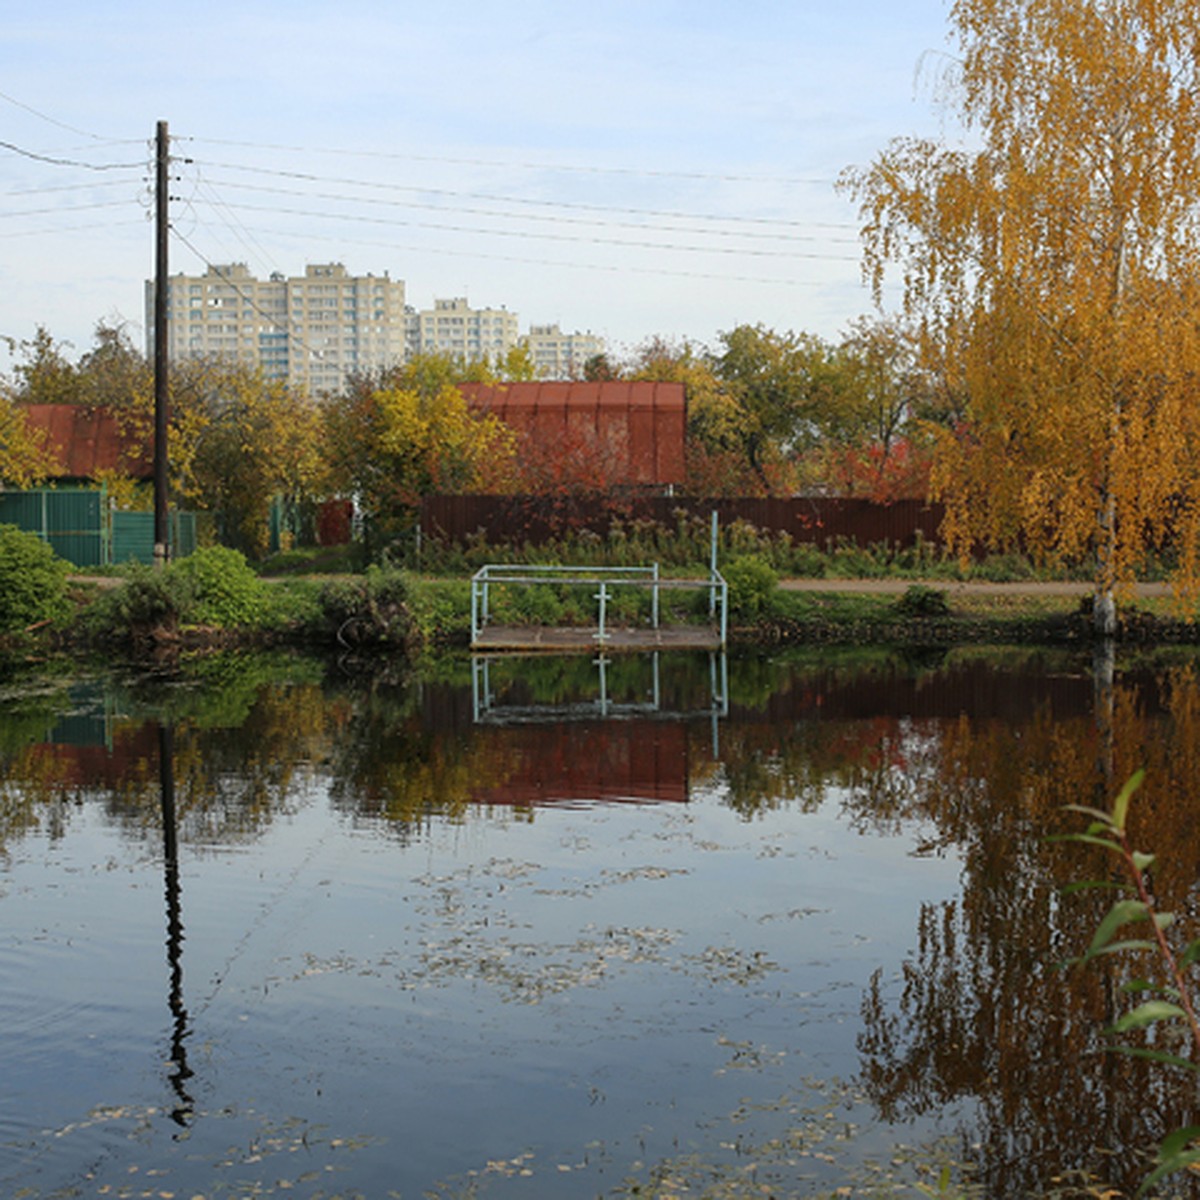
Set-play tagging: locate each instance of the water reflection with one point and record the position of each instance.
(180, 1072)
(968, 758)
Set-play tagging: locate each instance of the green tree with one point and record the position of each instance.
(600, 369)
(25, 454)
(517, 365)
(255, 440)
(875, 438)
(786, 385)
(1056, 262)
(44, 375)
(114, 373)
(390, 445)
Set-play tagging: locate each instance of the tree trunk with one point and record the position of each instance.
(1104, 612)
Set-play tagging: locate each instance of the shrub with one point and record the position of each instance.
(921, 601)
(370, 609)
(149, 599)
(33, 580)
(751, 581)
(227, 592)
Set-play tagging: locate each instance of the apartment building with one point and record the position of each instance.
(454, 327)
(558, 355)
(310, 330)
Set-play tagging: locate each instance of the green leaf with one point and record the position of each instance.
(1162, 920)
(1178, 1140)
(1087, 839)
(1175, 1153)
(1142, 860)
(1121, 947)
(1138, 985)
(1190, 953)
(1121, 804)
(1159, 1056)
(1102, 817)
(1122, 913)
(1089, 884)
(1147, 1014)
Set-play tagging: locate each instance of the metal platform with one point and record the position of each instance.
(565, 639)
(604, 634)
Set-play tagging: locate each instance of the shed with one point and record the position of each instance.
(639, 424)
(87, 440)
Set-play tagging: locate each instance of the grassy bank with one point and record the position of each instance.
(215, 599)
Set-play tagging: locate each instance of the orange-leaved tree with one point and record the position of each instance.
(1052, 259)
(390, 441)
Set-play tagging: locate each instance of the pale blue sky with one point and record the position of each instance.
(629, 168)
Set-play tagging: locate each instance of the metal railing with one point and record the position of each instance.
(604, 578)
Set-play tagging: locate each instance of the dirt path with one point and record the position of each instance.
(877, 587)
(884, 587)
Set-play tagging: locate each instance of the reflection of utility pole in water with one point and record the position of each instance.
(180, 1072)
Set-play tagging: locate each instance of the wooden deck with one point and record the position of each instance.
(573, 639)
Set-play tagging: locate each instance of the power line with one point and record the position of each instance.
(90, 186)
(25, 233)
(526, 166)
(554, 237)
(673, 214)
(610, 268)
(63, 125)
(342, 197)
(273, 318)
(70, 162)
(69, 208)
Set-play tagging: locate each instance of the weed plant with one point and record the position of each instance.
(685, 549)
(1164, 1003)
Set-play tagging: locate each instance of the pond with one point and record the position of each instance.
(777, 925)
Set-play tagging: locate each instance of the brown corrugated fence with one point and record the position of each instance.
(514, 520)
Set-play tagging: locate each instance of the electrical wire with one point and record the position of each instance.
(70, 162)
(341, 197)
(610, 268)
(525, 166)
(672, 214)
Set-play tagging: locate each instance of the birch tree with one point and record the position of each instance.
(1052, 260)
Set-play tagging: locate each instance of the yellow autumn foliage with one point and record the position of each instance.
(1052, 260)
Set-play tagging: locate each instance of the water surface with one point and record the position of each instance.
(678, 926)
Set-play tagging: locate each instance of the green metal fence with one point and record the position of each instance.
(74, 521)
(133, 536)
(79, 526)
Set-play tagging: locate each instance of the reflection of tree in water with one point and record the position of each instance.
(980, 1011)
(231, 782)
(405, 758)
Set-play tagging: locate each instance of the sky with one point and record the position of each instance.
(630, 168)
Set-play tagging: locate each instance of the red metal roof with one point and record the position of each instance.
(640, 423)
(86, 441)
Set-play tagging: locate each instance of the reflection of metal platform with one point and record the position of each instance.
(534, 638)
(487, 709)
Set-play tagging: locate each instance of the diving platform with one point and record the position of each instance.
(598, 587)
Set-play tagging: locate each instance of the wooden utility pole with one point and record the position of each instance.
(161, 227)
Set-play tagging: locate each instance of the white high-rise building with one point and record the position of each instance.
(470, 334)
(310, 330)
(558, 355)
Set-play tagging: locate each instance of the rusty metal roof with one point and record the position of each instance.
(87, 440)
(641, 421)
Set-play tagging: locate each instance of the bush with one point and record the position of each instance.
(149, 599)
(226, 590)
(751, 581)
(921, 601)
(33, 581)
(372, 609)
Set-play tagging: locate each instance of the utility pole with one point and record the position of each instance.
(161, 227)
